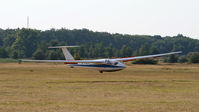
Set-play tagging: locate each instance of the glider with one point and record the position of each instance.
(102, 65)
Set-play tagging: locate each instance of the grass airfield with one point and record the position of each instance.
(45, 87)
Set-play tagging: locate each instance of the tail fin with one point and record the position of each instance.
(65, 51)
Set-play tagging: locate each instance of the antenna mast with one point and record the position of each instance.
(28, 22)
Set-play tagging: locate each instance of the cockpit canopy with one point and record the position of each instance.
(109, 62)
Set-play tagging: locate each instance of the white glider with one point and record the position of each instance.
(102, 65)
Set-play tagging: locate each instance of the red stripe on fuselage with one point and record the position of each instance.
(70, 63)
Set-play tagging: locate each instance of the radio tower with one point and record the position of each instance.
(28, 22)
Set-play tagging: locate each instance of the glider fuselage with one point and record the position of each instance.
(108, 66)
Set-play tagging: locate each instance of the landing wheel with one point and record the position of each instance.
(101, 71)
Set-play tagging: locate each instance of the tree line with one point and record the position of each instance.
(32, 43)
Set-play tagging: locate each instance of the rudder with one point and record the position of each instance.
(65, 51)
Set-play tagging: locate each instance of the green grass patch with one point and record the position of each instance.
(8, 60)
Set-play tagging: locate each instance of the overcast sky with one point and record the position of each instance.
(143, 17)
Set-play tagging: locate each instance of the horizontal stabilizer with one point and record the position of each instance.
(63, 46)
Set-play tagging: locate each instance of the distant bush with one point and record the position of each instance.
(193, 57)
(182, 59)
(3, 53)
(145, 61)
(39, 55)
(171, 59)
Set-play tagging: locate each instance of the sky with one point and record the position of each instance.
(140, 17)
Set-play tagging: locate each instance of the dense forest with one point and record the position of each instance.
(32, 43)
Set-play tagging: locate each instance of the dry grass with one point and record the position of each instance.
(39, 87)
